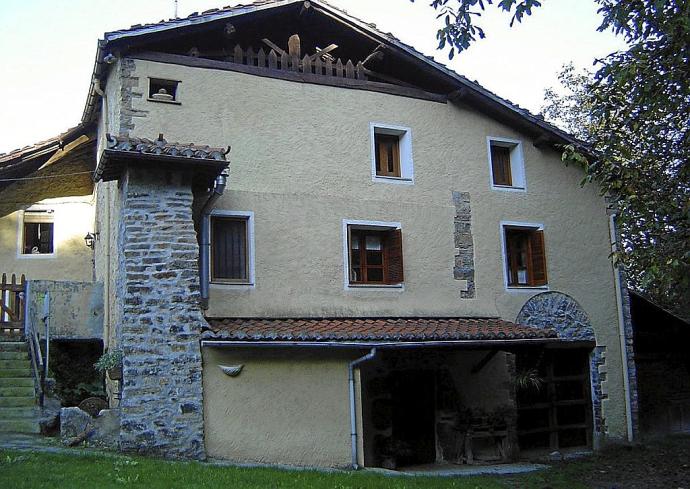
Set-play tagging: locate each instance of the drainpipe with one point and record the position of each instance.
(353, 407)
(205, 242)
(621, 330)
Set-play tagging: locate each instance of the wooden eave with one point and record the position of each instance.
(447, 83)
(114, 162)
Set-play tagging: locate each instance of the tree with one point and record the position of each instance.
(634, 112)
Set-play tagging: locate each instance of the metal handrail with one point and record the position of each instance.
(39, 366)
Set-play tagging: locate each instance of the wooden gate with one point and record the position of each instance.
(12, 296)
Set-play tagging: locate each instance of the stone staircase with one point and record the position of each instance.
(18, 409)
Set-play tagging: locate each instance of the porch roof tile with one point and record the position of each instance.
(401, 329)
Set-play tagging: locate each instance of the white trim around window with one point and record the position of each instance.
(517, 163)
(504, 259)
(374, 225)
(249, 215)
(49, 211)
(406, 164)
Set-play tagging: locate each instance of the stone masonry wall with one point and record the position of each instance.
(464, 244)
(160, 320)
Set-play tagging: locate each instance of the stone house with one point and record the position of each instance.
(391, 266)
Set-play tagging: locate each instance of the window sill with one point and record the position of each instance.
(30, 256)
(394, 180)
(232, 285)
(508, 188)
(526, 288)
(172, 102)
(376, 286)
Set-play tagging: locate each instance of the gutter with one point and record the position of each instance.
(205, 242)
(353, 404)
(621, 330)
(381, 344)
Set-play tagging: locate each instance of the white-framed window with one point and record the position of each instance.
(37, 233)
(506, 164)
(232, 248)
(391, 153)
(372, 254)
(524, 255)
(162, 90)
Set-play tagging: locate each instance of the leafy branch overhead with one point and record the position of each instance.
(460, 31)
(634, 111)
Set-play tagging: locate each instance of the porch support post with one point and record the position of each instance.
(353, 403)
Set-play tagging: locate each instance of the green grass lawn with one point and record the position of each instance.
(22, 469)
(663, 463)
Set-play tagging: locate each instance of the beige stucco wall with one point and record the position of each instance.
(72, 260)
(284, 407)
(301, 162)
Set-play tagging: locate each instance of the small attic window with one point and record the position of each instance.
(163, 90)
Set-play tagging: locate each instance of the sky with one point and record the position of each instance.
(48, 49)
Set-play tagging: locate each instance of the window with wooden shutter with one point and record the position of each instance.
(394, 257)
(538, 258)
(525, 257)
(229, 249)
(375, 257)
(500, 165)
(387, 155)
(38, 233)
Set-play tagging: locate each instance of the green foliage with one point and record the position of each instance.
(634, 113)
(529, 379)
(459, 30)
(109, 360)
(71, 364)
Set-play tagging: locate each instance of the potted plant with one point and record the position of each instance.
(111, 363)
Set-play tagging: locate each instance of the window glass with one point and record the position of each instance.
(229, 249)
(38, 233)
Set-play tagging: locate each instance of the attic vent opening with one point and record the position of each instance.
(161, 90)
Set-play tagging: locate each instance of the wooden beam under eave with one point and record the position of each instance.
(458, 95)
(61, 153)
(482, 363)
(543, 141)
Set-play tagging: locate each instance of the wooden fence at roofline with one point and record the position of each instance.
(12, 297)
(313, 64)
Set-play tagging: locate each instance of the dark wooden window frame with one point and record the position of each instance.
(387, 145)
(391, 265)
(501, 164)
(247, 259)
(535, 250)
(38, 218)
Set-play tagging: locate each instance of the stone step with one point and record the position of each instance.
(19, 426)
(14, 364)
(14, 355)
(16, 392)
(16, 382)
(18, 401)
(15, 372)
(13, 346)
(21, 412)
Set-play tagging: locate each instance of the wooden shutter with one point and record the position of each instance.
(46, 237)
(500, 165)
(387, 155)
(538, 258)
(394, 257)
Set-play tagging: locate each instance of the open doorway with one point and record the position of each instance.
(413, 394)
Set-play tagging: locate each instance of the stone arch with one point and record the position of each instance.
(571, 322)
(558, 311)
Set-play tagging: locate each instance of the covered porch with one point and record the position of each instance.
(407, 392)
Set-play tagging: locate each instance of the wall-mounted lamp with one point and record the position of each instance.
(90, 240)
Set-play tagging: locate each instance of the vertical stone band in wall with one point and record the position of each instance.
(160, 319)
(464, 243)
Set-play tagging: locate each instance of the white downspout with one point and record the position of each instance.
(621, 330)
(353, 404)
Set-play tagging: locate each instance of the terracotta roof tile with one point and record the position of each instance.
(161, 147)
(371, 329)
